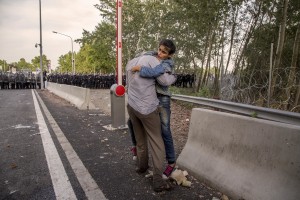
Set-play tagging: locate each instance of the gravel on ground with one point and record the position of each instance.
(180, 116)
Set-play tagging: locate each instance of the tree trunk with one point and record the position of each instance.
(195, 72)
(207, 68)
(203, 59)
(247, 39)
(292, 77)
(231, 39)
(279, 48)
(296, 103)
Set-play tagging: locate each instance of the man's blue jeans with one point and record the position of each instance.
(165, 114)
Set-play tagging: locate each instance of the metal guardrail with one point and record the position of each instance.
(255, 111)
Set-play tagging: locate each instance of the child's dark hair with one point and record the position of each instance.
(169, 44)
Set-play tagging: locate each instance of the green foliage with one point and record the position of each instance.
(3, 64)
(36, 63)
(22, 64)
(65, 63)
(204, 92)
(97, 53)
(254, 114)
(183, 91)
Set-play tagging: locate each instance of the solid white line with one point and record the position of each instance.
(86, 181)
(60, 180)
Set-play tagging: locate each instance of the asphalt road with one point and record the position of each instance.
(51, 150)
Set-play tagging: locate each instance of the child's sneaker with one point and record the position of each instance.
(168, 171)
(133, 150)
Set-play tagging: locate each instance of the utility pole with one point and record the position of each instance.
(41, 49)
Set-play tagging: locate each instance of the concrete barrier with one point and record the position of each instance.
(246, 158)
(80, 97)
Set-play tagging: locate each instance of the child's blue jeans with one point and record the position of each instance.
(165, 115)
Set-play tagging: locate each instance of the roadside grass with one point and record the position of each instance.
(204, 92)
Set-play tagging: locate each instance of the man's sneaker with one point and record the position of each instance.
(168, 171)
(161, 185)
(164, 177)
(133, 150)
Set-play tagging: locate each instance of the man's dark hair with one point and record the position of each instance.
(169, 44)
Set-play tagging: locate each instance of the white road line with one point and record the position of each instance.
(86, 181)
(60, 180)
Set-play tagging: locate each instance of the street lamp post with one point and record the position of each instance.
(73, 57)
(41, 48)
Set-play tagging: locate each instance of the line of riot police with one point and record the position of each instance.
(97, 81)
(29, 80)
(19, 80)
(185, 80)
(92, 81)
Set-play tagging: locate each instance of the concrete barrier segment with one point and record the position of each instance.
(246, 158)
(78, 96)
(90, 105)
